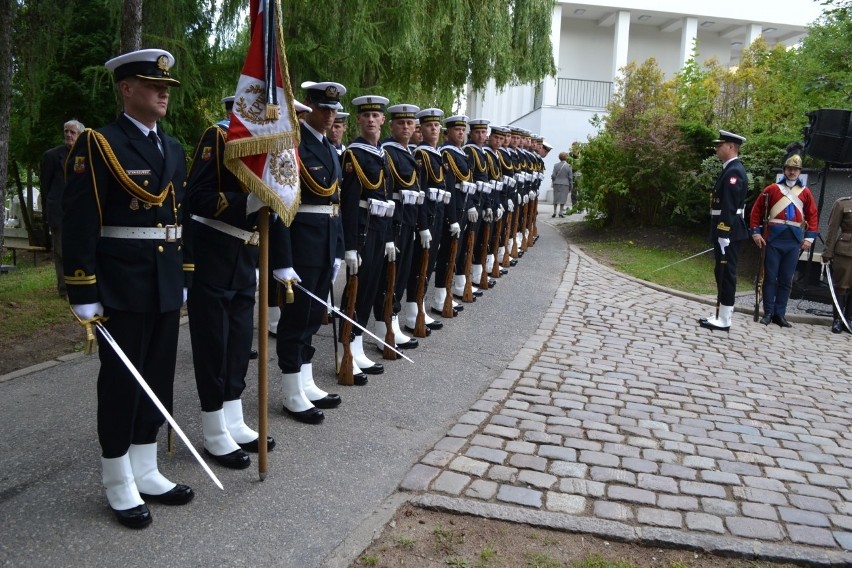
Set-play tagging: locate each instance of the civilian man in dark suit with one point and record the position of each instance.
(728, 228)
(124, 260)
(52, 180)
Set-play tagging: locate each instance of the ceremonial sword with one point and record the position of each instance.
(681, 260)
(347, 318)
(136, 375)
(827, 268)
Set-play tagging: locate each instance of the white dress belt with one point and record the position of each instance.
(248, 237)
(169, 233)
(319, 209)
(785, 222)
(719, 211)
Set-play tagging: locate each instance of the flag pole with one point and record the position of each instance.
(263, 345)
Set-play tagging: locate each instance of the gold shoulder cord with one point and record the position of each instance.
(313, 185)
(455, 169)
(124, 180)
(493, 172)
(503, 163)
(397, 177)
(427, 163)
(362, 177)
(480, 167)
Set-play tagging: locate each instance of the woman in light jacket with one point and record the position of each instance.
(562, 179)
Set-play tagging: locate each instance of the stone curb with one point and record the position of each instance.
(647, 536)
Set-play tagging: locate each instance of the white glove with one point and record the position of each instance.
(335, 269)
(185, 294)
(390, 251)
(455, 230)
(352, 260)
(488, 215)
(472, 215)
(425, 238)
(285, 274)
(533, 194)
(526, 199)
(499, 212)
(88, 311)
(253, 204)
(511, 205)
(723, 243)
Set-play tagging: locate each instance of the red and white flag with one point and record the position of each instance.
(263, 136)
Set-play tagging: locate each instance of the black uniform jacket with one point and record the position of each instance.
(728, 203)
(314, 239)
(403, 176)
(457, 170)
(117, 177)
(364, 177)
(213, 192)
(430, 174)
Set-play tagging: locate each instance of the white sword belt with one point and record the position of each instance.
(364, 205)
(719, 211)
(248, 237)
(332, 210)
(169, 233)
(785, 222)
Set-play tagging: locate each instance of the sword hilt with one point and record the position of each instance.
(289, 296)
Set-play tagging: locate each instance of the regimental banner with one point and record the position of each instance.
(263, 138)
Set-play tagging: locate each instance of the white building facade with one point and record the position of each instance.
(592, 40)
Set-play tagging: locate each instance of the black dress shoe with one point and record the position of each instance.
(328, 401)
(237, 459)
(504, 271)
(766, 320)
(780, 320)
(837, 326)
(513, 262)
(435, 325)
(309, 416)
(360, 379)
(411, 330)
(253, 354)
(707, 325)
(253, 446)
(376, 369)
(410, 344)
(553, 216)
(178, 495)
(461, 299)
(491, 283)
(477, 294)
(138, 517)
(521, 253)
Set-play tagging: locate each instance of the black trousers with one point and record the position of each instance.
(221, 327)
(369, 274)
(443, 262)
(461, 259)
(125, 413)
(301, 320)
(405, 245)
(726, 271)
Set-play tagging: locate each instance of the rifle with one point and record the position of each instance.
(524, 224)
(467, 296)
(761, 272)
(507, 248)
(420, 322)
(514, 231)
(387, 352)
(533, 224)
(345, 372)
(486, 237)
(495, 270)
(447, 311)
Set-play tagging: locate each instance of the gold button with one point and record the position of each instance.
(159, 225)
(160, 248)
(145, 183)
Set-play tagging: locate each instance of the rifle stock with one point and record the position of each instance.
(467, 296)
(420, 322)
(524, 224)
(447, 310)
(483, 255)
(507, 248)
(345, 374)
(514, 236)
(495, 245)
(387, 352)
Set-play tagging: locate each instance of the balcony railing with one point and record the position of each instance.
(583, 93)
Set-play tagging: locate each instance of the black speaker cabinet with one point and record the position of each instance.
(828, 136)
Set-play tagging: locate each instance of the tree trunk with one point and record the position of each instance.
(131, 25)
(7, 16)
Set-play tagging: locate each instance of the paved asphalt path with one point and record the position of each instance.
(325, 482)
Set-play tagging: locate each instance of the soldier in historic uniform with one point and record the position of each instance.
(406, 195)
(728, 227)
(310, 251)
(790, 226)
(124, 260)
(458, 177)
(224, 247)
(430, 220)
(366, 213)
(838, 253)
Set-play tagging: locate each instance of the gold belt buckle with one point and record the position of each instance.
(335, 209)
(172, 233)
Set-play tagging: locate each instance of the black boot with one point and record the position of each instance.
(848, 310)
(837, 324)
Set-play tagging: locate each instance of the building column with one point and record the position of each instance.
(688, 33)
(550, 85)
(621, 40)
(753, 32)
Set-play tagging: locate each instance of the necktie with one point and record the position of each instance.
(152, 136)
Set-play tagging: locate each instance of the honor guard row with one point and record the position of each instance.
(142, 237)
